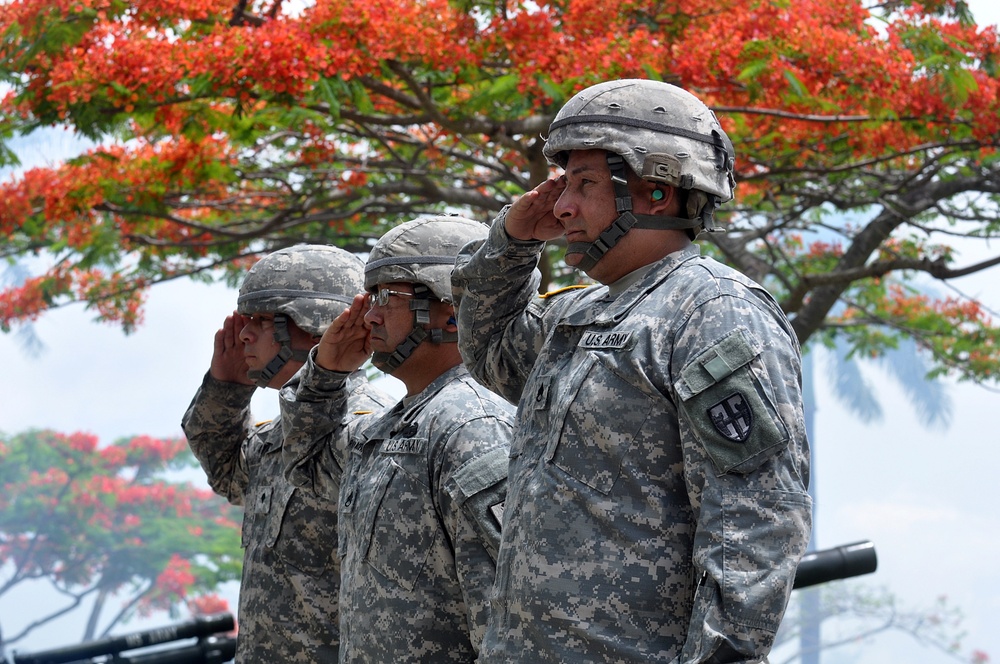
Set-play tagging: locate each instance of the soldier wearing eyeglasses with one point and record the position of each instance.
(421, 485)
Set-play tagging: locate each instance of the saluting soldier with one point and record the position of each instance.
(657, 504)
(421, 484)
(289, 593)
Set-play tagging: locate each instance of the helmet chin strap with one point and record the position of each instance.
(262, 377)
(626, 221)
(420, 304)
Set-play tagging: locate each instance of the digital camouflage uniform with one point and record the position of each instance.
(288, 608)
(657, 505)
(637, 529)
(421, 485)
(421, 492)
(288, 604)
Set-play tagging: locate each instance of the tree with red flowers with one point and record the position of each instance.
(110, 529)
(866, 138)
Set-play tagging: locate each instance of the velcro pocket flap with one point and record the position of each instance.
(715, 364)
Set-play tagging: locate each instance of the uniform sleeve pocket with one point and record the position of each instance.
(479, 488)
(762, 544)
(727, 407)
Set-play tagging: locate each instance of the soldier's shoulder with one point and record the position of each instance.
(466, 398)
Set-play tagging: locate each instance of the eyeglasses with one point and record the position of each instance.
(382, 295)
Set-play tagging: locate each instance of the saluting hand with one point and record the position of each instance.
(531, 216)
(228, 363)
(346, 345)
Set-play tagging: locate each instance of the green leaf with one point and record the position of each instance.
(796, 85)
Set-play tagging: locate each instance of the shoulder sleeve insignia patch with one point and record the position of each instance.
(728, 408)
(732, 418)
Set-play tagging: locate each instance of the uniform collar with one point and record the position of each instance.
(404, 414)
(609, 304)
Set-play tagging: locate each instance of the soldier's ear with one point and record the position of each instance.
(661, 199)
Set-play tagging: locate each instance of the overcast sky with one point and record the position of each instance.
(927, 498)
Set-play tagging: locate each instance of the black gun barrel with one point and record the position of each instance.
(840, 562)
(212, 650)
(200, 627)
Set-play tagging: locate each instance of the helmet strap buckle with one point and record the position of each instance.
(420, 305)
(281, 336)
(594, 251)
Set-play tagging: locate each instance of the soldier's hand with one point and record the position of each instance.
(228, 363)
(346, 345)
(531, 217)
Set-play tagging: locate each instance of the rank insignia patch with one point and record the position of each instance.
(732, 418)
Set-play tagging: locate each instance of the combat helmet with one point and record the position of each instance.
(665, 134)
(308, 283)
(422, 252)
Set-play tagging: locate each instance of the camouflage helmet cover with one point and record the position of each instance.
(422, 251)
(311, 284)
(663, 132)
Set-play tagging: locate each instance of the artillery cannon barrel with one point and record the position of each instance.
(198, 628)
(840, 562)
